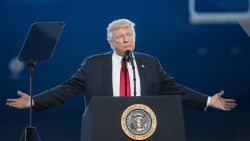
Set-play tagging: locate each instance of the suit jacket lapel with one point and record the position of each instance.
(141, 70)
(107, 74)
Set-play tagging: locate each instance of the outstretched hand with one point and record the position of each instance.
(222, 103)
(20, 103)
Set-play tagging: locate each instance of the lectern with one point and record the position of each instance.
(149, 118)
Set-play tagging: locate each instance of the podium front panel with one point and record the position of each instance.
(102, 119)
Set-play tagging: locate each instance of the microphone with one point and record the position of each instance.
(128, 56)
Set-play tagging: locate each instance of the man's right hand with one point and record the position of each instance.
(20, 103)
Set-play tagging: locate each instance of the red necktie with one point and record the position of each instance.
(124, 79)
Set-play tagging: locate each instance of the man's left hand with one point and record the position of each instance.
(222, 103)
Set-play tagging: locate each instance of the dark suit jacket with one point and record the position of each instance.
(95, 79)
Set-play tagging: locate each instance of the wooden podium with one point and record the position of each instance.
(108, 119)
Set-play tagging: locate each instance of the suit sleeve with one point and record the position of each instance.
(61, 93)
(190, 98)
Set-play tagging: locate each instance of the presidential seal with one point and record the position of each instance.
(138, 122)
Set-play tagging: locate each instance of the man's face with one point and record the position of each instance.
(122, 39)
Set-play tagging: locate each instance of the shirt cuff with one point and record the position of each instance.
(208, 101)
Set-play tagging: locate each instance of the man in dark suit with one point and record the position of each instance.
(100, 75)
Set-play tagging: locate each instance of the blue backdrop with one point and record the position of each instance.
(207, 58)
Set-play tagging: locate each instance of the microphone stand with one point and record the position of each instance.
(129, 58)
(134, 79)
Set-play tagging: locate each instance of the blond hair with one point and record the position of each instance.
(118, 24)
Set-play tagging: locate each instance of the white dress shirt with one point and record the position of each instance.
(116, 69)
